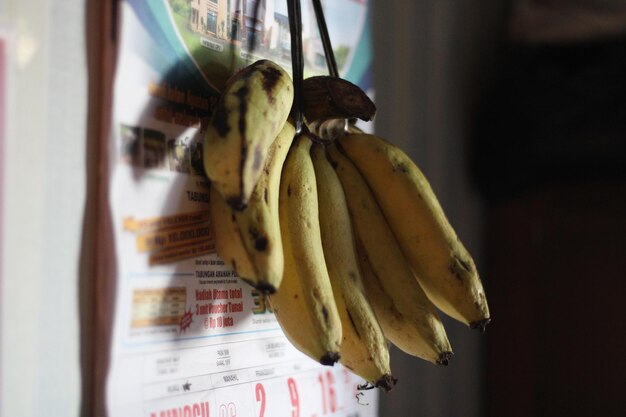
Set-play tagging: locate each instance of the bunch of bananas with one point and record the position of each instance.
(343, 234)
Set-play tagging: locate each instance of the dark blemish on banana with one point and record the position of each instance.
(289, 191)
(260, 244)
(258, 159)
(353, 324)
(455, 271)
(260, 241)
(270, 79)
(265, 197)
(352, 276)
(325, 313)
(220, 121)
(239, 204)
(242, 95)
(459, 268)
(464, 265)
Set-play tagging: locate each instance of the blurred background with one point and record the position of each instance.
(516, 112)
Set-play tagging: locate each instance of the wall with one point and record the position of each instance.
(44, 191)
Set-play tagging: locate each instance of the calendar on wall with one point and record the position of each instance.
(189, 337)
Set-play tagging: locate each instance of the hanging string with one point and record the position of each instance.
(328, 49)
(331, 62)
(297, 58)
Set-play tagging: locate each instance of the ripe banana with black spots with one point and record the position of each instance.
(228, 241)
(249, 240)
(251, 111)
(304, 305)
(441, 263)
(408, 318)
(363, 347)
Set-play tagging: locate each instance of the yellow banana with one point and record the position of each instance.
(228, 242)
(441, 263)
(249, 240)
(304, 303)
(251, 111)
(408, 318)
(363, 347)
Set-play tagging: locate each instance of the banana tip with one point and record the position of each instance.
(386, 382)
(330, 358)
(266, 288)
(237, 203)
(481, 324)
(444, 358)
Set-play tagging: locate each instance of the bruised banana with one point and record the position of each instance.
(363, 347)
(441, 263)
(304, 305)
(408, 318)
(249, 240)
(251, 111)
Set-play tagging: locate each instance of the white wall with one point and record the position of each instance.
(44, 174)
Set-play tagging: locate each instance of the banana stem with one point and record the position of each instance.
(297, 59)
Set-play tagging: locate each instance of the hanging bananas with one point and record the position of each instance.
(409, 320)
(346, 239)
(441, 263)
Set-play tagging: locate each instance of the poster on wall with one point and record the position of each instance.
(190, 338)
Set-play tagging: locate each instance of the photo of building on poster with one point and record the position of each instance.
(235, 32)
